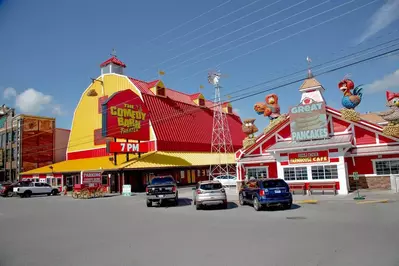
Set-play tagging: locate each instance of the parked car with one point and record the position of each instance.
(160, 189)
(35, 188)
(210, 193)
(7, 188)
(227, 180)
(266, 192)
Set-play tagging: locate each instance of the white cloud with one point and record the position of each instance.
(32, 101)
(9, 93)
(57, 110)
(382, 18)
(389, 82)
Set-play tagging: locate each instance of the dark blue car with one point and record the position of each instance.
(266, 192)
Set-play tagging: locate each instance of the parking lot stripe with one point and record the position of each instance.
(372, 201)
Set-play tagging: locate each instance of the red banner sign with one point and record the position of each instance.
(125, 116)
(126, 147)
(91, 177)
(308, 157)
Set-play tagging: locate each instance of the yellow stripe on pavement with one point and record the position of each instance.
(306, 202)
(373, 201)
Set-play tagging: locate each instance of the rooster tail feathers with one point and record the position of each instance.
(358, 91)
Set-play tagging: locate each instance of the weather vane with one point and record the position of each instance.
(113, 53)
(309, 67)
(214, 77)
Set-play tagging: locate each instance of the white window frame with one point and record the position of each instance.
(256, 167)
(379, 160)
(296, 166)
(324, 179)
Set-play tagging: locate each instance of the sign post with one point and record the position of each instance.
(356, 178)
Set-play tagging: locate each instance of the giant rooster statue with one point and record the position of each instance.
(269, 108)
(350, 100)
(392, 115)
(249, 129)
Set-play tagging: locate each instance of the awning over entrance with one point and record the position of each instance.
(149, 160)
(162, 159)
(333, 142)
(70, 166)
(256, 159)
(386, 149)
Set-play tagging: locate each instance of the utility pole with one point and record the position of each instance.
(221, 138)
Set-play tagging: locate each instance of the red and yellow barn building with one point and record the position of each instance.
(350, 149)
(180, 133)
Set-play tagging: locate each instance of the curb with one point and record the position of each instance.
(306, 202)
(373, 201)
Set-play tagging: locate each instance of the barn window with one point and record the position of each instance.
(201, 102)
(160, 91)
(324, 172)
(295, 173)
(387, 167)
(257, 172)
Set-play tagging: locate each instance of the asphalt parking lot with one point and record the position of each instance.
(120, 230)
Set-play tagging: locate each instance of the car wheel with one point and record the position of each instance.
(54, 192)
(10, 194)
(198, 207)
(288, 206)
(21, 195)
(28, 193)
(149, 203)
(176, 201)
(257, 205)
(241, 199)
(224, 205)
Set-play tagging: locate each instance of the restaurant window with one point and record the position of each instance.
(257, 172)
(104, 179)
(295, 173)
(324, 172)
(387, 167)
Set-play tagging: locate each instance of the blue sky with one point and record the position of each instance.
(50, 49)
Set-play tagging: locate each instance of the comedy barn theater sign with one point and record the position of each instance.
(125, 116)
(308, 121)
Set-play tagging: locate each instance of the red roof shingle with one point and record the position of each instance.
(113, 60)
(186, 127)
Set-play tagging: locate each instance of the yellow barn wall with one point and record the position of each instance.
(86, 118)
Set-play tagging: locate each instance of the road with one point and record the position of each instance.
(123, 231)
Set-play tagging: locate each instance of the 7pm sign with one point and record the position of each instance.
(127, 147)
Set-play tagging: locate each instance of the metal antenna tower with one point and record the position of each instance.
(221, 138)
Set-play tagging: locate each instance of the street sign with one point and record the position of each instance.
(355, 176)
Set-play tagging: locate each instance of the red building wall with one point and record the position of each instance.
(37, 144)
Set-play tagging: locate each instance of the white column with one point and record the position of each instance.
(342, 177)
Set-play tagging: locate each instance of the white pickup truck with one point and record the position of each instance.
(35, 188)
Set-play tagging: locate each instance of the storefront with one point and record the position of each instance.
(314, 146)
(131, 130)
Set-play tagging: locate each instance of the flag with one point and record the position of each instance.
(308, 59)
(229, 97)
(201, 86)
(160, 72)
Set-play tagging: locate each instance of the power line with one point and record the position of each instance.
(213, 21)
(263, 91)
(251, 33)
(188, 21)
(221, 37)
(195, 48)
(282, 39)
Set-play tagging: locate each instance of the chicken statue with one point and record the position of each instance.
(392, 115)
(249, 128)
(350, 100)
(270, 108)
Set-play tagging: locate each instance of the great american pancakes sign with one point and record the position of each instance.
(308, 121)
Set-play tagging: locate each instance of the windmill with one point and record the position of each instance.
(221, 137)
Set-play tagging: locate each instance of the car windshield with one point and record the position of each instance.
(211, 186)
(162, 180)
(274, 183)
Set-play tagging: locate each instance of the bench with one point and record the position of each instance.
(327, 186)
(298, 187)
